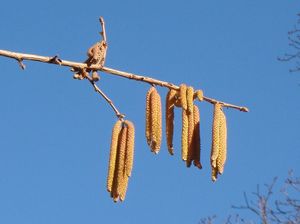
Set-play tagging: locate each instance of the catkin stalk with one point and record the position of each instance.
(170, 103)
(113, 154)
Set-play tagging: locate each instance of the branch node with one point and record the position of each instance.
(21, 64)
(55, 60)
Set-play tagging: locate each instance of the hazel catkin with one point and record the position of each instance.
(182, 95)
(184, 135)
(222, 144)
(148, 115)
(215, 134)
(196, 138)
(170, 103)
(129, 155)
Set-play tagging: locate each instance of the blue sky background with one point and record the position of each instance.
(55, 131)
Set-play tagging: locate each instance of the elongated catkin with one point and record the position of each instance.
(182, 95)
(129, 155)
(148, 115)
(223, 144)
(215, 134)
(196, 138)
(156, 121)
(184, 135)
(121, 160)
(190, 98)
(113, 154)
(190, 137)
(170, 103)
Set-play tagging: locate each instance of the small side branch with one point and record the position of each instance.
(31, 57)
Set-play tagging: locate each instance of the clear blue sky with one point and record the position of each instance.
(55, 131)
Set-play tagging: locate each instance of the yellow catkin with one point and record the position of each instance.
(223, 144)
(190, 98)
(190, 137)
(215, 134)
(184, 135)
(124, 189)
(182, 95)
(113, 154)
(156, 121)
(198, 95)
(129, 147)
(148, 113)
(170, 102)
(196, 138)
(121, 160)
(214, 174)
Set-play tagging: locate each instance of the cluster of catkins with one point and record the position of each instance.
(122, 143)
(190, 133)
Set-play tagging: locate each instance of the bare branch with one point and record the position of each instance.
(81, 66)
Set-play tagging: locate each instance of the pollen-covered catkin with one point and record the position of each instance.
(121, 160)
(148, 114)
(191, 126)
(182, 95)
(196, 139)
(156, 121)
(113, 154)
(184, 135)
(129, 155)
(170, 103)
(198, 95)
(215, 134)
(223, 144)
(190, 98)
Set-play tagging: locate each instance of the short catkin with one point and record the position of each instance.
(197, 139)
(223, 144)
(148, 115)
(129, 155)
(198, 95)
(215, 134)
(170, 103)
(113, 154)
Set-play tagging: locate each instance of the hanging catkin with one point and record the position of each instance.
(223, 144)
(215, 134)
(182, 95)
(190, 137)
(184, 135)
(156, 121)
(170, 103)
(148, 116)
(129, 155)
(196, 137)
(198, 95)
(190, 98)
(113, 154)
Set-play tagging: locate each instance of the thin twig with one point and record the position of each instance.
(72, 64)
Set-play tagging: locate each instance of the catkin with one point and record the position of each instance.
(148, 114)
(121, 160)
(170, 102)
(156, 121)
(215, 134)
(198, 95)
(184, 135)
(190, 137)
(196, 137)
(214, 174)
(113, 154)
(223, 144)
(182, 95)
(190, 98)
(129, 147)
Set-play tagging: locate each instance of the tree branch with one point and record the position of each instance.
(20, 57)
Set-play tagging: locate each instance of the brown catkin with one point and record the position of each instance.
(148, 114)
(215, 134)
(156, 121)
(182, 95)
(113, 154)
(190, 98)
(170, 103)
(121, 160)
(223, 144)
(184, 135)
(196, 139)
(129, 155)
